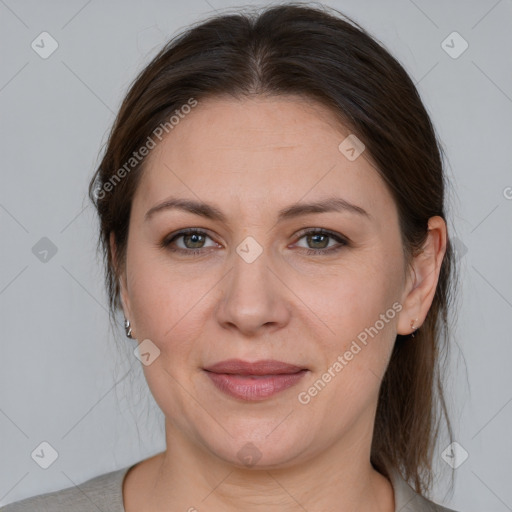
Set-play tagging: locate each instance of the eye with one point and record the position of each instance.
(193, 240)
(319, 238)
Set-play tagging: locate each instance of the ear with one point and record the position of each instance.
(121, 276)
(422, 281)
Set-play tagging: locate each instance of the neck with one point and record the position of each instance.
(190, 478)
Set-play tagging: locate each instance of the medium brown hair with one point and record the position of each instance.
(292, 49)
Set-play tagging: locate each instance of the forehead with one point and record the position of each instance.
(260, 154)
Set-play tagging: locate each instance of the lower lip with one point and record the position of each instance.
(252, 387)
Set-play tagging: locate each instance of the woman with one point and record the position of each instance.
(271, 205)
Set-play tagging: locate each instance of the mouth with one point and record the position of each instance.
(264, 367)
(254, 381)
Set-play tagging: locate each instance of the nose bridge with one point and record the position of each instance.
(252, 266)
(252, 293)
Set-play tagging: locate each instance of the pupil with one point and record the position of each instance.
(195, 236)
(315, 236)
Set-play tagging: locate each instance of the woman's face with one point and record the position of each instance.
(255, 285)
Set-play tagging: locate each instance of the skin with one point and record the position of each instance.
(250, 158)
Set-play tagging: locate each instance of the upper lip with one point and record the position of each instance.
(262, 367)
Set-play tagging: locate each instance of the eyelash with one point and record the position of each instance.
(166, 243)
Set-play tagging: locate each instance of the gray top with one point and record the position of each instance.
(105, 493)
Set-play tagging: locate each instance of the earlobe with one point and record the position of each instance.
(421, 288)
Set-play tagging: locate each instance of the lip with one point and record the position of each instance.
(254, 381)
(262, 367)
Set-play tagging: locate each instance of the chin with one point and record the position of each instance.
(262, 447)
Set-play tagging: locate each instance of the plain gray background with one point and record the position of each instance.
(64, 380)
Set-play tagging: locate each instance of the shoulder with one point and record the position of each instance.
(103, 492)
(422, 504)
(408, 500)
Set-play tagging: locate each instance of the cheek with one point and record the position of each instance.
(163, 310)
(358, 310)
(351, 298)
(169, 303)
(363, 317)
(162, 306)
(156, 296)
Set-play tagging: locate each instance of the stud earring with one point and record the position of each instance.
(128, 328)
(412, 327)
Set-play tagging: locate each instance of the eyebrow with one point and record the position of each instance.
(209, 211)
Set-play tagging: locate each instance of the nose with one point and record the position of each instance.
(254, 299)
